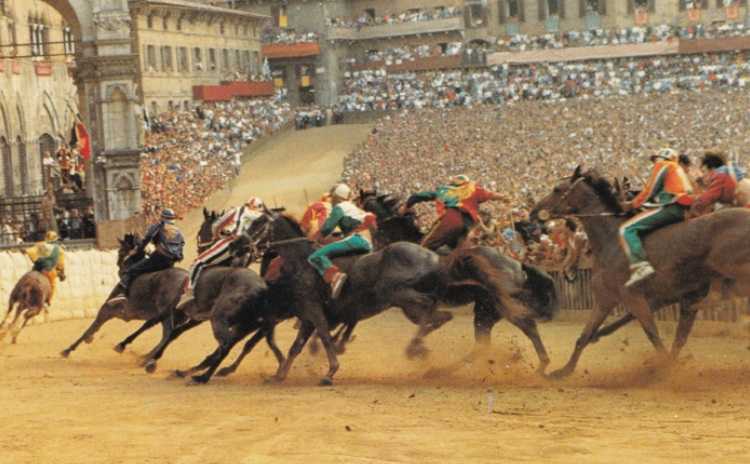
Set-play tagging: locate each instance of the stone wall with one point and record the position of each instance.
(91, 275)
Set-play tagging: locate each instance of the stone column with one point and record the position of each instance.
(107, 74)
(292, 83)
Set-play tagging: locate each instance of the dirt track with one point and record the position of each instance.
(98, 406)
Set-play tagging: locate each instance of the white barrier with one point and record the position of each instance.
(91, 275)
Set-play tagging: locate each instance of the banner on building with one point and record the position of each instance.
(641, 16)
(733, 11)
(79, 138)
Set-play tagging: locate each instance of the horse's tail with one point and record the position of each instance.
(543, 296)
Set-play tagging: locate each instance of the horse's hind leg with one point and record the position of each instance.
(485, 318)
(303, 334)
(120, 347)
(169, 334)
(528, 327)
(249, 345)
(30, 314)
(106, 313)
(687, 317)
(639, 308)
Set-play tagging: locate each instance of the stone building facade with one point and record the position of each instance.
(38, 98)
(182, 44)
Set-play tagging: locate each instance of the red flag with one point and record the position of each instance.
(84, 142)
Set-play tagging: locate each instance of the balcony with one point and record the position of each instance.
(290, 50)
(383, 31)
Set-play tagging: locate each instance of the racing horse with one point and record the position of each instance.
(686, 256)
(394, 226)
(402, 275)
(28, 297)
(152, 298)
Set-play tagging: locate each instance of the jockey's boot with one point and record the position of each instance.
(336, 279)
(338, 284)
(187, 297)
(639, 272)
(120, 296)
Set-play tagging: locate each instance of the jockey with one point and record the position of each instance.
(667, 197)
(315, 215)
(169, 243)
(226, 229)
(458, 208)
(49, 259)
(356, 226)
(721, 184)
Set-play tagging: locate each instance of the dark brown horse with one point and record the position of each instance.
(152, 298)
(235, 301)
(28, 297)
(686, 256)
(402, 275)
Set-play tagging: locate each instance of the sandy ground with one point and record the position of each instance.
(100, 407)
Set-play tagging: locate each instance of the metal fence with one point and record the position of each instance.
(575, 294)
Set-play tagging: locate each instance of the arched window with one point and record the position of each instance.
(7, 166)
(23, 165)
(47, 146)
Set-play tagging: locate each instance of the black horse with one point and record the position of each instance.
(394, 226)
(402, 275)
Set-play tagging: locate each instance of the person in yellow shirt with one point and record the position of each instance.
(49, 259)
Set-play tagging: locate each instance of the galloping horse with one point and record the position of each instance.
(28, 296)
(394, 226)
(686, 256)
(152, 298)
(402, 275)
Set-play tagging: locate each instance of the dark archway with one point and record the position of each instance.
(7, 166)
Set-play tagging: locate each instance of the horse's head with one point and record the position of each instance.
(581, 193)
(205, 237)
(128, 244)
(383, 206)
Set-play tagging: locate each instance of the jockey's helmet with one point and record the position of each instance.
(341, 191)
(459, 180)
(51, 236)
(667, 154)
(254, 203)
(168, 214)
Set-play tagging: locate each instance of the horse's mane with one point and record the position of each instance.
(293, 223)
(604, 190)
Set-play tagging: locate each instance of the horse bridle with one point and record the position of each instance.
(545, 215)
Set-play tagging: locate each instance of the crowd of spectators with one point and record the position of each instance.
(524, 147)
(377, 90)
(412, 15)
(627, 35)
(316, 116)
(191, 154)
(273, 35)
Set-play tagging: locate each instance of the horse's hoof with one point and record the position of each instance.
(65, 353)
(225, 371)
(179, 374)
(198, 380)
(119, 348)
(150, 366)
(417, 351)
(326, 382)
(558, 374)
(274, 379)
